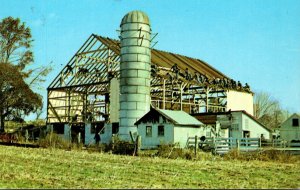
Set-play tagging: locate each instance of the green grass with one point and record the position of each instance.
(54, 168)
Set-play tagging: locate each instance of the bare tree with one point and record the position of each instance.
(268, 110)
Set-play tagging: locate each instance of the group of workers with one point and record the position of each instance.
(203, 79)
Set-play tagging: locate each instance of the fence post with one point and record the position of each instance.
(238, 144)
(196, 139)
(214, 144)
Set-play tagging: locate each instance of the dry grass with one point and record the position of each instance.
(55, 168)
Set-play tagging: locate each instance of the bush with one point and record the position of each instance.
(52, 140)
(121, 147)
(261, 155)
(99, 148)
(171, 151)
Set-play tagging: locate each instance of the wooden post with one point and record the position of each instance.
(164, 94)
(137, 145)
(139, 142)
(196, 139)
(238, 144)
(131, 136)
(181, 89)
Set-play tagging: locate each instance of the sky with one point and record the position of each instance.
(252, 41)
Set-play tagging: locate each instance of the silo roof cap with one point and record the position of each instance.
(135, 17)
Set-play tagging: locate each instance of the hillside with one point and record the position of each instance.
(46, 168)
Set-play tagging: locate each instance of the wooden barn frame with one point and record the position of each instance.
(81, 91)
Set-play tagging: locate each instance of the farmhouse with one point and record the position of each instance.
(236, 124)
(113, 83)
(169, 127)
(290, 129)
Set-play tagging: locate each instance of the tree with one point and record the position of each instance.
(268, 110)
(15, 48)
(16, 79)
(15, 43)
(15, 95)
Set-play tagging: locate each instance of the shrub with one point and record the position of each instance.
(121, 147)
(172, 151)
(261, 155)
(99, 148)
(52, 140)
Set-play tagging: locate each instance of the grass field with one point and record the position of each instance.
(54, 168)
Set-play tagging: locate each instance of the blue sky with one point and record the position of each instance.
(257, 42)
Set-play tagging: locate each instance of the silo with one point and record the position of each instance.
(134, 71)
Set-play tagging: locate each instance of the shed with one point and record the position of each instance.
(236, 124)
(290, 128)
(167, 127)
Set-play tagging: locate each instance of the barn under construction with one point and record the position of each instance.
(109, 84)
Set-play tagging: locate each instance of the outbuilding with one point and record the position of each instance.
(290, 128)
(236, 124)
(168, 127)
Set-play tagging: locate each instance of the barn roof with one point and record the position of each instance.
(168, 59)
(93, 54)
(180, 117)
(293, 116)
(175, 116)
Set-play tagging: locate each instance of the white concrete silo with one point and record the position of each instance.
(134, 71)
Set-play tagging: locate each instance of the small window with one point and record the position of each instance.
(148, 131)
(96, 127)
(93, 129)
(295, 122)
(58, 128)
(115, 128)
(235, 126)
(161, 130)
(208, 134)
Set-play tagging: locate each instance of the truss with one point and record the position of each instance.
(80, 92)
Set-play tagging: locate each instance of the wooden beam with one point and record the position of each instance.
(54, 111)
(92, 51)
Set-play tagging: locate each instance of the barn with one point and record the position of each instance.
(113, 83)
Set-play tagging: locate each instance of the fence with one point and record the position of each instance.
(223, 145)
(278, 144)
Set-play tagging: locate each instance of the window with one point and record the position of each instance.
(235, 126)
(246, 134)
(295, 122)
(115, 128)
(161, 130)
(93, 129)
(96, 127)
(58, 128)
(148, 131)
(208, 133)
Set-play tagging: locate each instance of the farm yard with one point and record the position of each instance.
(57, 168)
(192, 94)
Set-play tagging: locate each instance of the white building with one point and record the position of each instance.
(168, 127)
(290, 128)
(236, 124)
